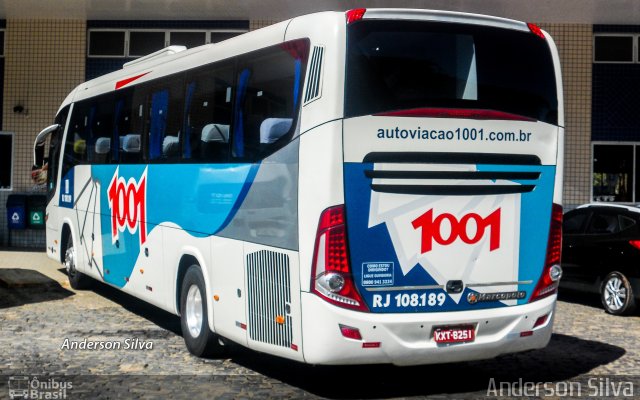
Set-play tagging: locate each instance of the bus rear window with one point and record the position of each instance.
(401, 65)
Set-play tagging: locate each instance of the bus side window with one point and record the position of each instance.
(121, 122)
(166, 110)
(130, 141)
(207, 114)
(75, 148)
(268, 99)
(100, 130)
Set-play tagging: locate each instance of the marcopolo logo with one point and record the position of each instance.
(128, 204)
(464, 229)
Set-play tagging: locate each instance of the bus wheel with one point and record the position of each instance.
(198, 337)
(77, 279)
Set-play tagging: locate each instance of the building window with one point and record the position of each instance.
(106, 43)
(6, 160)
(188, 39)
(615, 48)
(615, 172)
(141, 42)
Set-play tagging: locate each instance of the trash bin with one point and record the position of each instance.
(36, 204)
(16, 211)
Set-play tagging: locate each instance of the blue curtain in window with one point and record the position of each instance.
(159, 108)
(296, 84)
(191, 88)
(89, 136)
(115, 140)
(238, 131)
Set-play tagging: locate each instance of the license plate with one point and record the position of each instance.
(454, 334)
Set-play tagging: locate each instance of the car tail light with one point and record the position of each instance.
(355, 15)
(535, 29)
(552, 272)
(635, 243)
(331, 277)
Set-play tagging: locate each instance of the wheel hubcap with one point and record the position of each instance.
(70, 261)
(194, 311)
(615, 294)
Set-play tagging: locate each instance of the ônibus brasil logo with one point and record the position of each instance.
(432, 229)
(128, 204)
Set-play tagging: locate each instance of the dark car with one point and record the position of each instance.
(601, 253)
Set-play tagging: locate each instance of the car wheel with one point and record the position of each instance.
(198, 337)
(617, 295)
(77, 279)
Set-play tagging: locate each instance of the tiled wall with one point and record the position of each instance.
(260, 23)
(575, 45)
(44, 61)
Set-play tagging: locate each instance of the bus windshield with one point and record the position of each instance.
(414, 64)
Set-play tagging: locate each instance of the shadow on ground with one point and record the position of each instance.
(25, 286)
(139, 307)
(564, 359)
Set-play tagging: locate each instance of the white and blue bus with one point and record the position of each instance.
(380, 186)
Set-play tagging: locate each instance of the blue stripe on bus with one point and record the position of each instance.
(243, 194)
(535, 217)
(201, 199)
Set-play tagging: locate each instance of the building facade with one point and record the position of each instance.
(47, 48)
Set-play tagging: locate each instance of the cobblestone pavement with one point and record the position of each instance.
(34, 322)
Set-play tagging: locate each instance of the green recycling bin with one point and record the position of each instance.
(36, 205)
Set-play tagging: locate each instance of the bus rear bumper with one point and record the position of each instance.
(407, 339)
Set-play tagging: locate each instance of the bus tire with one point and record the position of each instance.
(77, 279)
(194, 319)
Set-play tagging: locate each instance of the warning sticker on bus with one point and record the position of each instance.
(377, 274)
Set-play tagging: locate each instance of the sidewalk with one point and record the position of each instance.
(15, 267)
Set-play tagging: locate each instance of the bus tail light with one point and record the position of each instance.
(355, 15)
(552, 272)
(331, 277)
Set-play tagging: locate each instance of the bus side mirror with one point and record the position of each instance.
(38, 145)
(39, 169)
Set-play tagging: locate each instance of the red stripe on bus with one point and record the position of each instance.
(127, 81)
(455, 113)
